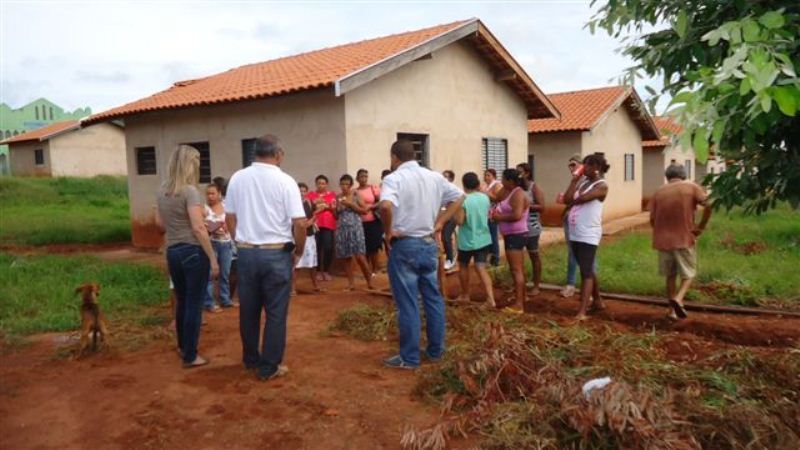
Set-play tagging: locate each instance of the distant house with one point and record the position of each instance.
(660, 153)
(36, 114)
(66, 149)
(610, 120)
(453, 90)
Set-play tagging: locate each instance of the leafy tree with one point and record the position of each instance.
(730, 67)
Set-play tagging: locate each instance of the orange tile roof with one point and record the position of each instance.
(668, 127)
(582, 110)
(44, 133)
(315, 69)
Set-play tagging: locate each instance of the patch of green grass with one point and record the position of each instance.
(37, 293)
(64, 210)
(742, 260)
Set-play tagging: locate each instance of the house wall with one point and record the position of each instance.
(310, 126)
(551, 152)
(94, 150)
(23, 161)
(656, 162)
(615, 136)
(452, 97)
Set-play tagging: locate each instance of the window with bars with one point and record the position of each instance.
(420, 143)
(38, 156)
(248, 151)
(629, 167)
(494, 154)
(688, 165)
(145, 160)
(205, 160)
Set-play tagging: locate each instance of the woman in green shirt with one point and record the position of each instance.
(474, 239)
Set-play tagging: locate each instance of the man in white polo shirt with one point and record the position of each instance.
(266, 219)
(411, 198)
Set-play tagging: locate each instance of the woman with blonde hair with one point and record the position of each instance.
(180, 214)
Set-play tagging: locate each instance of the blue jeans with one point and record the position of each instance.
(264, 283)
(572, 263)
(495, 251)
(412, 271)
(189, 269)
(224, 251)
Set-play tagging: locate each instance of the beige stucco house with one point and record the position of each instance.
(660, 153)
(452, 89)
(67, 149)
(611, 120)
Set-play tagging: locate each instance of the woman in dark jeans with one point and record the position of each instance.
(189, 253)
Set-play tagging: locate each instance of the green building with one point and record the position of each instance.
(35, 114)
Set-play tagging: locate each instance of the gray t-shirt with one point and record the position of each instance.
(175, 215)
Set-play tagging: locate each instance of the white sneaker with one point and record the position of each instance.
(448, 265)
(568, 291)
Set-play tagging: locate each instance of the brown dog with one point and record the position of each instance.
(93, 322)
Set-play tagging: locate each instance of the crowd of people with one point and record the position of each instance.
(275, 226)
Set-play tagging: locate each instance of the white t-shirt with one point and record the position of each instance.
(586, 219)
(417, 194)
(265, 200)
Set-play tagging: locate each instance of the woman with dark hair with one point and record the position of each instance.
(511, 216)
(350, 233)
(535, 208)
(492, 189)
(585, 198)
(373, 229)
(324, 206)
(448, 230)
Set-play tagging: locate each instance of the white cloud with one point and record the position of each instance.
(106, 54)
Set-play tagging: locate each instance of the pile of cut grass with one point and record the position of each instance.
(513, 381)
(65, 210)
(742, 260)
(37, 293)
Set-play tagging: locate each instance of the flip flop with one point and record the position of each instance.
(680, 311)
(593, 308)
(202, 362)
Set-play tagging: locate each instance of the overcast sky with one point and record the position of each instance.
(104, 54)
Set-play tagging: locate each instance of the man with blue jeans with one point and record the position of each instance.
(411, 198)
(266, 219)
(224, 252)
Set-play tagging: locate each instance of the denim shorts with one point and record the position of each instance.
(516, 241)
(480, 255)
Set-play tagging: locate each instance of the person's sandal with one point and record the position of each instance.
(679, 309)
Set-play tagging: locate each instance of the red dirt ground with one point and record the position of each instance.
(337, 394)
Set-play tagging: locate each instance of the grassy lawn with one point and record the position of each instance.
(514, 381)
(742, 260)
(40, 211)
(37, 293)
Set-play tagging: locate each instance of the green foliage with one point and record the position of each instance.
(731, 69)
(37, 293)
(39, 211)
(365, 323)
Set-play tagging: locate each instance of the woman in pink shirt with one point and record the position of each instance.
(324, 206)
(511, 214)
(373, 230)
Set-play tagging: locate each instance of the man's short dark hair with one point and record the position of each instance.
(470, 181)
(675, 171)
(346, 177)
(385, 173)
(268, 146)
(321, 177)
(403, 150)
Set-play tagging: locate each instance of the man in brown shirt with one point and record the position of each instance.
(675, 233)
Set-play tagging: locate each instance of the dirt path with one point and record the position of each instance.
(337, 394)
